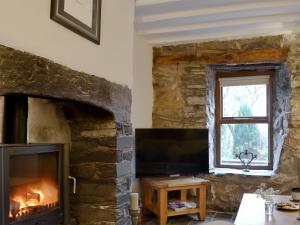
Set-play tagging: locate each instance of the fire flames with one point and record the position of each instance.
(33, 198)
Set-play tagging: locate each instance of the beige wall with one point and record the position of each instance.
(26, 25)
(142, 91)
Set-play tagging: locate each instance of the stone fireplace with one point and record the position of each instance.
(96, 113)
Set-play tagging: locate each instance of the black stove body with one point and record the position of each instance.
(33, 181)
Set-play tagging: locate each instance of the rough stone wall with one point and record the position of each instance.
(125, 143)
(100, 160)
(180, 95)
(180, 81)
(293, 140)
(281, 111)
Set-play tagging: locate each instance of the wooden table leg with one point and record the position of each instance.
(183, 195)
(201, 196)
(147, 201)
(162, 206)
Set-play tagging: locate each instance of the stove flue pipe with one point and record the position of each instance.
(15, 119)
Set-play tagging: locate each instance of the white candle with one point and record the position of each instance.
(134, 201)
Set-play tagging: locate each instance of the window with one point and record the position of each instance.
(244, 118)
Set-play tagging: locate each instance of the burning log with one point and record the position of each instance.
(14, 208)
(32, 198)
(29, 210)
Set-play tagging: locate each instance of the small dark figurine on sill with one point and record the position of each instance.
(246, 157)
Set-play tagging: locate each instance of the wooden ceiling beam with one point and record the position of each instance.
(182, 21)
(241, 33)
(234, 56)
(217, 10)
(290, 17)
(146, 7)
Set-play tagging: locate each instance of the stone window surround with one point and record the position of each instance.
(281, 111)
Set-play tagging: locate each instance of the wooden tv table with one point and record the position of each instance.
(163, 186)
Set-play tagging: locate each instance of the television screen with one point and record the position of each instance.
(171, 151)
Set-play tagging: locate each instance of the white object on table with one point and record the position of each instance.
(134, 201)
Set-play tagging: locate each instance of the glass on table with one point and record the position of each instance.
(269, 207)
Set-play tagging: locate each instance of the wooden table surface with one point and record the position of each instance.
(175, 182)
(252, 212)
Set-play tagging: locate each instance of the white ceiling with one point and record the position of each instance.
(173, 21)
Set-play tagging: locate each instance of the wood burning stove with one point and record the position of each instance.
(32, 184)
(34, 187)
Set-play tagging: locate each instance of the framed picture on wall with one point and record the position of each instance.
(80, 16)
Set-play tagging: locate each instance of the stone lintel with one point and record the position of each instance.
(24, 73)
(234, 56)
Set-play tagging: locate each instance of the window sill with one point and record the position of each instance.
(227, 171)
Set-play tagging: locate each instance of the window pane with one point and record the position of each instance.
(245, 100)
(235, 136)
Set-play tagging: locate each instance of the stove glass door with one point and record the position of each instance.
(33, 184)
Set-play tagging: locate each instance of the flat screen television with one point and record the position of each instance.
(161, 152)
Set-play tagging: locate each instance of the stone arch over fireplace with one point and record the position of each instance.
(24, 73)
(98, 114)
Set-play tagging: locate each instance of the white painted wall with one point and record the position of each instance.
(26, 25)
(142, 91)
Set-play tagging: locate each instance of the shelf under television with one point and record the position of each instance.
(182, 212)
(155, 197)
